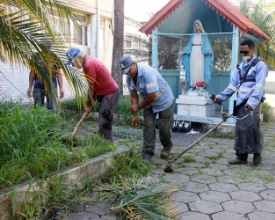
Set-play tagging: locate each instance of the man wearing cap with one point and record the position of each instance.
(101, 85)
(39, 90)
(157, 99)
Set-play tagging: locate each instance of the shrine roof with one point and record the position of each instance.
(177, 16)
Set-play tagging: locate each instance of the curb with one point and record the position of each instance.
(74, 177)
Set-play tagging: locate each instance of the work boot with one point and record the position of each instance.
(237, 161)
(147, 156)
(164, 154)
(148, 153)
(257, 159)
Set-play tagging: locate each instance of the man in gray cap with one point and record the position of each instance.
(157, 99)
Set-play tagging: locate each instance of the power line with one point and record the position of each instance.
(16, 87)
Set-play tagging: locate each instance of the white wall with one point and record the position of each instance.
(14, 83)
(270, 88)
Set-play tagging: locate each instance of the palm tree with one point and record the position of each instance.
(26, 25)
(118, 40)
(264, 18)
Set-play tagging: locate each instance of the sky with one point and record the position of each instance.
(253, 1)
(141, 9)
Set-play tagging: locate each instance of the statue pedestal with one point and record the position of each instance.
(195, 103)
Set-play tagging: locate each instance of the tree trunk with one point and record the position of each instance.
(118, 40)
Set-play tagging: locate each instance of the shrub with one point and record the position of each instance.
(78, 105)
(267, 112)
(73, 104)
(124, 104)
(32, 146)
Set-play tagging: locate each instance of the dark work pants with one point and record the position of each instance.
(51, 99)
(248, 133)
(38, 96)
(166, 119)
(109, 102)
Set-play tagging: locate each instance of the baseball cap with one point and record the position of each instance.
(125, 64)
(72, 54)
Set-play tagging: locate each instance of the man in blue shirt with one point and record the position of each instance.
(248, 82)
(157, 99)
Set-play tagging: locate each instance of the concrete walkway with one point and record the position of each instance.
(210, 189)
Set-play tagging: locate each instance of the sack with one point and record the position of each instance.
(181, 126)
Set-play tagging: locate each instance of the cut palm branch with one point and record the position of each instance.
(138, 200)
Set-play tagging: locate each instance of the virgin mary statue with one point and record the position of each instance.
(197, 57)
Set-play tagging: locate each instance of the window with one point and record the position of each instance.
(61, 27)
(128, 44)
(133, 42)
(69, 31)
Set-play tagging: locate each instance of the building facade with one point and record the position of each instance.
(94, 18)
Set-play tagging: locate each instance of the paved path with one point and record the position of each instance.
(210, 189)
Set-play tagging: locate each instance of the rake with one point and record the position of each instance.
(168, 167)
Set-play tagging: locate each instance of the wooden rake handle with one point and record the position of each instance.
(79, 123)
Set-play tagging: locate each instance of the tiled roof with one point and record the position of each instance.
(222, 7)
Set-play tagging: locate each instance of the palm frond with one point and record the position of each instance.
(137, 199)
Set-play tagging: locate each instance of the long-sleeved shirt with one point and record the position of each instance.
(251, 91)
